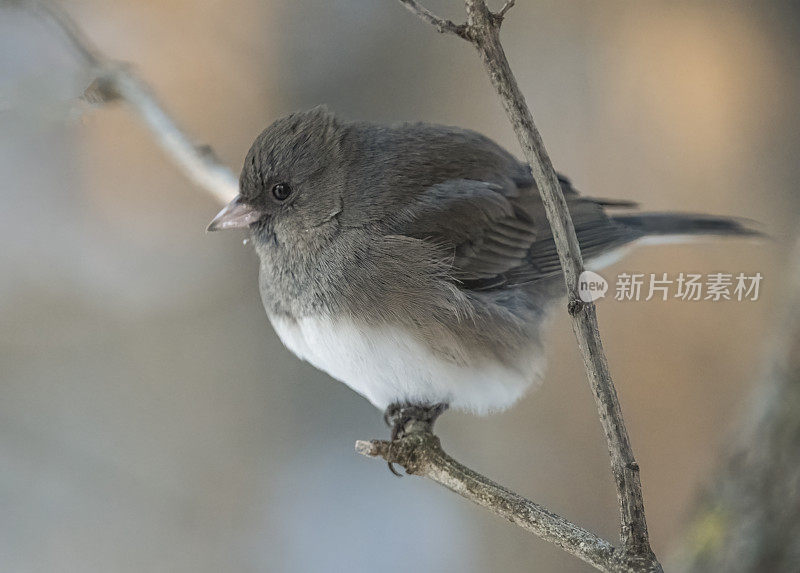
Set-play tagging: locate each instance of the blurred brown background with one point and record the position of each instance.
(150, 420)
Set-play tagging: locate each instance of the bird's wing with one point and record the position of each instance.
(498, 233)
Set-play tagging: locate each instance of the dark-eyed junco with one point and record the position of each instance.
(414, 262)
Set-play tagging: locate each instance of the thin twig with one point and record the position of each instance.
(442, 25)
(482, 29)
(421, 454)
(506, 7)
(116, 80)
(485, 33)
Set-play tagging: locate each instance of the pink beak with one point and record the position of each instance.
(235, 215)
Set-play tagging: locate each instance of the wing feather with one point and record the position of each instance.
(499, 232)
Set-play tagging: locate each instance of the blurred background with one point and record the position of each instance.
(150, 420)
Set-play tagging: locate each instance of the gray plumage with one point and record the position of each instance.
(432, 237)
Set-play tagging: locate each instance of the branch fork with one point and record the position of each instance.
(477, 20)
(420, 453)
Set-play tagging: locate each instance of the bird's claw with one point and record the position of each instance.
(397, 416)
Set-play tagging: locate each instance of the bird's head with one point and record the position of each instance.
(292, 180)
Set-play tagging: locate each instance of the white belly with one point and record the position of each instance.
(388, 365)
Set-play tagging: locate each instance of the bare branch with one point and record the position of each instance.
(747, 519)
(420, 453)
(483, 31)
(442, 25)
(485, 35)
(506, 7)
(118, 81)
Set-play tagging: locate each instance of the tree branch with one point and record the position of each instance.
(482, 30)
(116, 80)
(420, 452)
(442, 25)
(747, 519)
(506, 7)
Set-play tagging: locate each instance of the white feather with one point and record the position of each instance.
(388, 365)
(606, 259)
(670, 239)
(609, 258)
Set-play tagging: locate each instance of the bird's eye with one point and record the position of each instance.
(281, 191)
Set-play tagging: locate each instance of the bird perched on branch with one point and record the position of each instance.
(414, 262)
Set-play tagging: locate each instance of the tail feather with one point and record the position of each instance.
(686, 224)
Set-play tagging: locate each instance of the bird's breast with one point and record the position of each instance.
(389, 364)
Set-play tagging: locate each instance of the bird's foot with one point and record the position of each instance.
(406, 418)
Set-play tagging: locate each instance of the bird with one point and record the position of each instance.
(414, 262)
